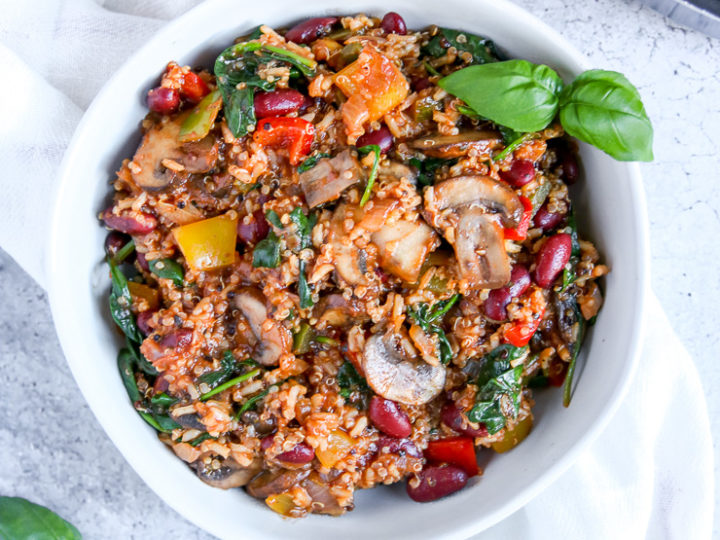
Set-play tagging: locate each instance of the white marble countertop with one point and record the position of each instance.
(62, 456)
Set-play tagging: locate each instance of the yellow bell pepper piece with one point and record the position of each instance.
(282, 504)
(339, 445)
(208, 244)
(139, 291)
(515, 436)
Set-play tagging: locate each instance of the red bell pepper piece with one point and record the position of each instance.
(459, 451)
(520, 333)
(520, 233)
(295, 134)
(193, 87)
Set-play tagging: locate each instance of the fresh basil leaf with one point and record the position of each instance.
(604, 109)
(168, 269)
(22, 520)
(267, 252)
(373, 172)
(272, 217)
(515, 93)
(304, 290)
(482, 49)
(310, 162)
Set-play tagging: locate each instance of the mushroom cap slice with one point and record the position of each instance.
(330, 177)
(274, 482)
(453, 146)
(403, 247)
(395, 375)
(482, 191)
(161, 142)
(480, 250)
(229, 475)
(273, 338)
(350, 261)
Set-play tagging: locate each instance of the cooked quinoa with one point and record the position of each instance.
(333, 275)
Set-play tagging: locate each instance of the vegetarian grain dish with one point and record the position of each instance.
(339, 259)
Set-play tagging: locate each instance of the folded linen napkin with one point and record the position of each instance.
(650, 474)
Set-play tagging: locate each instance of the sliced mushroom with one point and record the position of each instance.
(480, 250)
(394, 371)
(273, 339)
(190, 421)
(493, 196)
(350, 262)
(161, 143)
(397, 170)
(274, 482)
(403, 246)
(453, 146)
(336, 310)
(470, 227)
(177, 215)
(229, 474)
(322, 500)
(330, 177)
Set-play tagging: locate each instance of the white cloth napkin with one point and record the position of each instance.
(650, 474)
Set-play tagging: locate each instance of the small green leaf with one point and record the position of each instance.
(604, 109)
(239, 109)
(267, 252)
(310, 162)
(515, 93)
(168, 269)
(373, 172)
(120, 301)
(272, 217)
(22, 520)
(304, 290)
(304, 228)
(482, 49)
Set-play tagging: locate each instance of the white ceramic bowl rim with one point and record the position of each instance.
(74, 310)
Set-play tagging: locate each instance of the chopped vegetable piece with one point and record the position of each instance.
(339, 445)
(520, 232)
(458, 451)
(201, 119)
(295, 134)
(282, 504)
(208, 244)
(515, 436)
(145, 292)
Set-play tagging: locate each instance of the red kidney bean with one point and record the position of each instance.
(177, 339)
(452, 417)
(310, 30)
(142, 261)
(382, 137)
(546, 220)
(552, 258)
(267, 442)
(393, 445)
(521, 172)
(163, 100)
(393, 23)
(256, 230)
(436, 482)
(570, 167)
(114, 241)
(278, 102)
(420, 83)
(496, 303)
(161, 384)
(142, 321)
(389, 418)
(302, 453)
(138, 223)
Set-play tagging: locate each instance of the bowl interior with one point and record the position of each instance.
(610, 211)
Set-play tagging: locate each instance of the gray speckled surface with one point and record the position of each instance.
(55, 453)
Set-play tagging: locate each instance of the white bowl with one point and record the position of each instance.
(611, 211)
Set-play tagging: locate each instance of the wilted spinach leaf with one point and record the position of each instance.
(482, 49)
(427, 168)
(350, 381)
(168, 269)
(429, 319)
(267, 252)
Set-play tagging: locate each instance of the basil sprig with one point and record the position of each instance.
(599, 107)
(21, 519)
